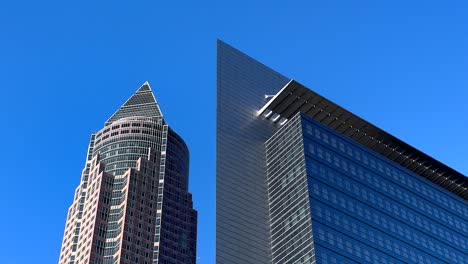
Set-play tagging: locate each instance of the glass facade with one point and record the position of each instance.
(332, 200)
(288, 196)
(302, 180)
(242, 227)
(368, 209)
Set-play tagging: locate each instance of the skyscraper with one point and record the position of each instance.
(132, 204)
(301, 180)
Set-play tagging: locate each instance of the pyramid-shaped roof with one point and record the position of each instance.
(142, 103)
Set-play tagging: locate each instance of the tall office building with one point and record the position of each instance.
(302, 180)
(132, 204)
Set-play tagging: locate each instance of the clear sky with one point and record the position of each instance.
(66, 66)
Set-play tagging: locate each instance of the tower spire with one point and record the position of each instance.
(142, 103)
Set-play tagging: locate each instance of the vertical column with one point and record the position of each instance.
(159, 205)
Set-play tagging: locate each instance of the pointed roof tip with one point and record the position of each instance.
(221, 42)
(141, 103)
(145, 87)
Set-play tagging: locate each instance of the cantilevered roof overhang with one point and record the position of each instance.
(294, 98)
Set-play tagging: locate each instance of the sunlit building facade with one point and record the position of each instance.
(302, 180)
(132, 204)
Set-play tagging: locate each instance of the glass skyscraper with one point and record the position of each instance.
(132, 204)
(302, 180)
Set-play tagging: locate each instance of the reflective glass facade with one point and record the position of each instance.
(288, 196)
(301, 180)
(365, 208)
(333, 201)
(242, 226)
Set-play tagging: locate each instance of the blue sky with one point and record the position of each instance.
(66, 66)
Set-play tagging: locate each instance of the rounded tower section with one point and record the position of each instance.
(177, 163)
(123, 142)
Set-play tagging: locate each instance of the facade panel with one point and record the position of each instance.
(372, 204)
(242, 226)
(288, 196)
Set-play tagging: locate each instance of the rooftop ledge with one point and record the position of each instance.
(294, 98)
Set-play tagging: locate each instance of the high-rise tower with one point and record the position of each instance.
(132, 204)
(301, 180)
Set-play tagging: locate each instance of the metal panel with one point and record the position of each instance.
(242, 228)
